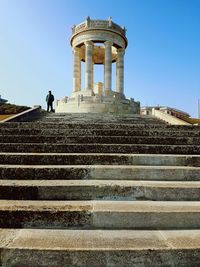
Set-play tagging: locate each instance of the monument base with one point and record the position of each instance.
(98, 104)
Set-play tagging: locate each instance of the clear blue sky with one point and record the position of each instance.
(162, 60)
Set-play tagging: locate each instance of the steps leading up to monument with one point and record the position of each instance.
(123, 190)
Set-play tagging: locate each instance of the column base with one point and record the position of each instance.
(108, 93)
(88, 92)
(119, 95)
(74, 94)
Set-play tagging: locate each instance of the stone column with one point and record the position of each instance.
(76, 70)
(108, 67)
(88, 67)
(120, 71)
(79, 72)
(92, 77)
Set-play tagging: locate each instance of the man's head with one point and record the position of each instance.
(50, 92)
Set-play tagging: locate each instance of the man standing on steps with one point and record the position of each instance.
(49, 100)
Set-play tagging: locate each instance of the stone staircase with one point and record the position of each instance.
(86, 190)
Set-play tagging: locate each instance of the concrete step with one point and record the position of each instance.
(99, 172)
(98, 159)
(100, 214)
(100, 148)
(86, 117)
(99, 190)
(99, 118)
(97, 115)
(90, 125)
(99, 139)
(89, 120)
(99, 248)
(56, 132)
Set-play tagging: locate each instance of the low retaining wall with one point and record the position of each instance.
(168, 118)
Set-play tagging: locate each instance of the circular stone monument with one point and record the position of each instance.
(98, 42)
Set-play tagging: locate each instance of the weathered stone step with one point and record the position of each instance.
(100, 214)
(98, 159)
(100, 148)
(99, 172)
(96, 115)
(99, 248)
(100, 139)
(127, 126)
(89, 120)
(98, 132)
(86, 125)
(99, 190)
(98, 118)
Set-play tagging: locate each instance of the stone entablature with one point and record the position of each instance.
(98, 36)
(98, 24)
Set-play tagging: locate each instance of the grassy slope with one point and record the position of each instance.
(8, 109)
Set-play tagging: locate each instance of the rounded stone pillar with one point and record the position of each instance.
(76, 70)
(108, 66)
(88, 67)
(120, 71)
(92, 83)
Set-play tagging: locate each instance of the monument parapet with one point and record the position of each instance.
(105, 25)
(109, 24)
(98, 42)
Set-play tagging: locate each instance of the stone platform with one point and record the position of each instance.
(86, 190)
(97, 104)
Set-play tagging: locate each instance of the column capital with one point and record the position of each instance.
(121, 51)
(76, 49)
(88, 43)
(108, 43)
